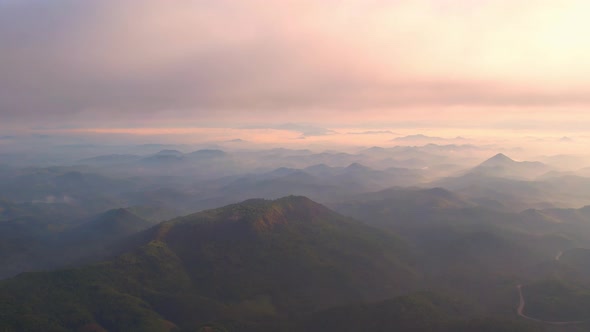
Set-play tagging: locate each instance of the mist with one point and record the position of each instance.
(256, 166)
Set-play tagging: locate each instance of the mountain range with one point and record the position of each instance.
(258, 260)
(287, 265)
(406, 238)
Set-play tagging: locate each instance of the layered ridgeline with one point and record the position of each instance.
(501, 165)
(284, 265)
(30, 239)
(506, 185)
(249, 266)
(419, 312)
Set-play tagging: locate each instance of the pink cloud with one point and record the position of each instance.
(153, 63)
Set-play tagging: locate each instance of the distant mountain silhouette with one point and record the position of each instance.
(207, 153)
(501, 165)
(111, 159)
(498, 160)
(169, 152)
(357, 167)
(417, 137)
(164, 157)
(115, 223)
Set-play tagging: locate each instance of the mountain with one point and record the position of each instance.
(436, 218)
(23, 245)
(319, 182)
(466, 249)
(418, 138)
(402, 207)
(514, 195)
(116, 223)
(319, 170)
(501, 165)
(421, 312)
(358, 168)
(77, 183)
(64, 185)
(169, 152)
(271, 185)
(95, 238)
(498, 160)
(360, 178)
(164, 157)
(570, 265)
(504, 184)
(207, 154)
(294, 235)
(112, 159)
(577, 258)
(558, 301)
(579, 216)
(245, 267)
(35, 242)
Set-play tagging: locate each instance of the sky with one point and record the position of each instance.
(295, 69)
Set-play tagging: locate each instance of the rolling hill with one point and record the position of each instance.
(34, 242)
(246, 265)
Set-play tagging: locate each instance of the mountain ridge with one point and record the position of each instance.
(253, 262)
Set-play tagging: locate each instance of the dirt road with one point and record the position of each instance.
(522, 304)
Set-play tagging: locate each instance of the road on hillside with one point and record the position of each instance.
(522, 304)
(558, 256)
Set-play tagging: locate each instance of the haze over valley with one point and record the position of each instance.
(255, 166)
(273, 239)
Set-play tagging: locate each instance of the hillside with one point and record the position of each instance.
(292, 264)
(258, 261)
(34, 242)
(420, 312)
(557, 301)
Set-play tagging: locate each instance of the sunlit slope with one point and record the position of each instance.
(258, 261)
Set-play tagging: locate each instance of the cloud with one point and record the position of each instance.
(373, 132)
(131, 63)
(306, 130)
(417, 137)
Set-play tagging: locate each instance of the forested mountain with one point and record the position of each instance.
(294, 166)
(254, 262)
(402, 251)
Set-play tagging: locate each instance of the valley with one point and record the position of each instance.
(247, 250)
(294, 166)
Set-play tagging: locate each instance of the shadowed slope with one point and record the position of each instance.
(252, 263)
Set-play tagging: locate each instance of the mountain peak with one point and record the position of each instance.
(498, 159)
(169, 152)
(502, 166)
(501, 156)
(357, 167)
(208, 153)
(260, 215)
(283, 171)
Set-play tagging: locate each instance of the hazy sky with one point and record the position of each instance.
(107, 65)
